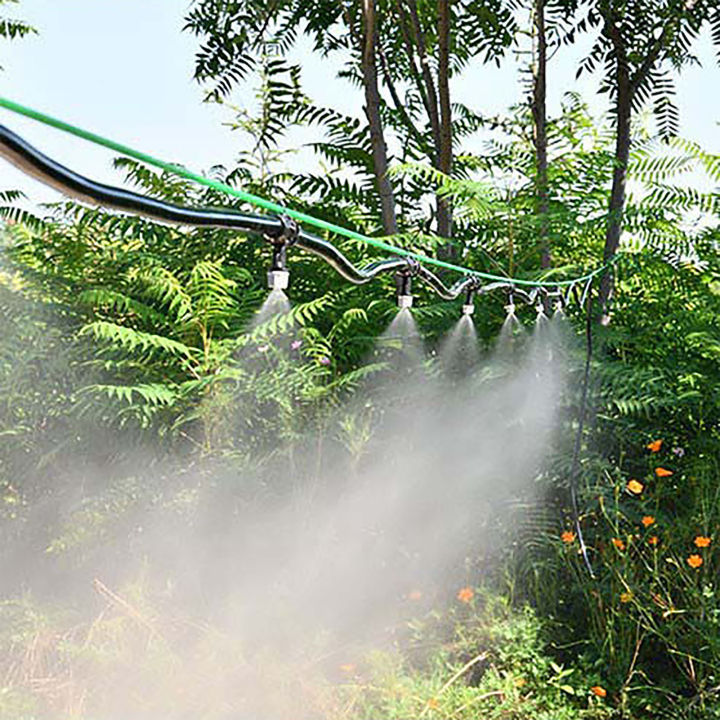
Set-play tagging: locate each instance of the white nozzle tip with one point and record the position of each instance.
(278, 279)
(510, 309)
(540, 309)
(558, 306)
(405, 301)
(468, 309)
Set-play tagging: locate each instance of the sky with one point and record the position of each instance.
(123, 69)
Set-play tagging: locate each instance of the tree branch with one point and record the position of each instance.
(402, 19)
(651, 57)
(427, 74)
(372, 111)
(445, 155)
(399, 105)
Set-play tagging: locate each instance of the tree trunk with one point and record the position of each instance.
(430, 92)
(617, 195)
(539, 112)
(445, 154)
(372, 111)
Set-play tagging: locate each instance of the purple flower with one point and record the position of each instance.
(263, 348)
(295, 344)
(680, 452)
(324, 360)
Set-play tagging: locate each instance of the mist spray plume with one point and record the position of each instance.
(309, 555)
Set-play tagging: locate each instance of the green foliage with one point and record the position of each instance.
(12, 28)
(649, 41)
(485, 659)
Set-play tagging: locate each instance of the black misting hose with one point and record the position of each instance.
(276, 228)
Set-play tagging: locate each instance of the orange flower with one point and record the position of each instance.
(626, 597)
(465, 595)
(568, 536)
(694, 561)
(599, 691)
(662, 472)
(635, 487)
(702, 541)
(414, 595)
(653, 540)
(655, 446)
(348, 668)
(433, 703)
(618, 543)
(648, 520)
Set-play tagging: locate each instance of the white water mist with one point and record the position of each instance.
(306, 557)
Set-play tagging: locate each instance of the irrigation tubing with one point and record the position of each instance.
(575, 464)
(278, 229)
(30, 160)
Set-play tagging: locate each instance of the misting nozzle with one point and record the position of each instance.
(540, 309)
(403, 282)
(278, 276)
(469, 305)
(510, 309)
(558, 306)
(278, 279)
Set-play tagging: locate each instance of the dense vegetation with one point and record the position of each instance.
(132, 397)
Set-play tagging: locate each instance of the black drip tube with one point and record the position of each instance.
(275, 228)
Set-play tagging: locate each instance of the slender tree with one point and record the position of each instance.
(426, 44)
(540, 136)
(445, 149)
(372, 111)
(402, 53)
(640, 44)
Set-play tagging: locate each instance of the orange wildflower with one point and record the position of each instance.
(655, 445)
(662, 472)
(414, 595)
(694, 561)
(348, 668)
(702, 541)
(648, 520)
(626, 597)
(599, 691)
(465, 595)
(635, 487)
(653, 540)
(618, 543)
(433, 703)
(568, 536)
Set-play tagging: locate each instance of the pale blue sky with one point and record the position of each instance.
(123, 69)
